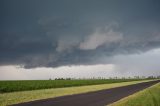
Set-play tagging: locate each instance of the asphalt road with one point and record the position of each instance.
(97, 98)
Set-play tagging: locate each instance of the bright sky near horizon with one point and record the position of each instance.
(146, 64)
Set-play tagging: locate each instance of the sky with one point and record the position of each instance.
(42, 39)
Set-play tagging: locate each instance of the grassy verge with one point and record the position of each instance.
(147, 97)
(25, 96)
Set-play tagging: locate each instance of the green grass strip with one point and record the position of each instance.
(147, 97)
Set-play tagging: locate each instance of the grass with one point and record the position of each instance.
(11, 86)
(147, 97)
(25, 96)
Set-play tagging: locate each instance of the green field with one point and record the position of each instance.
(11, 86)
(147, 97)
(25, 96)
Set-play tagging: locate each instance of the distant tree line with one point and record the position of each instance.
(94, 78)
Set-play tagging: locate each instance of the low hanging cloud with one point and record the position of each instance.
(62, 46)
(99, 38)
(64, 34)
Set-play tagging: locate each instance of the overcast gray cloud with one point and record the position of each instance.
(63, 33)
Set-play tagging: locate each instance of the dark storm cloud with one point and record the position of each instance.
(36, 33)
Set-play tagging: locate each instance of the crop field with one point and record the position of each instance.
(24, 85)
(147, 97)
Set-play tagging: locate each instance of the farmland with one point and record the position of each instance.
(147, 97)
(24, 85)
(25, 96)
